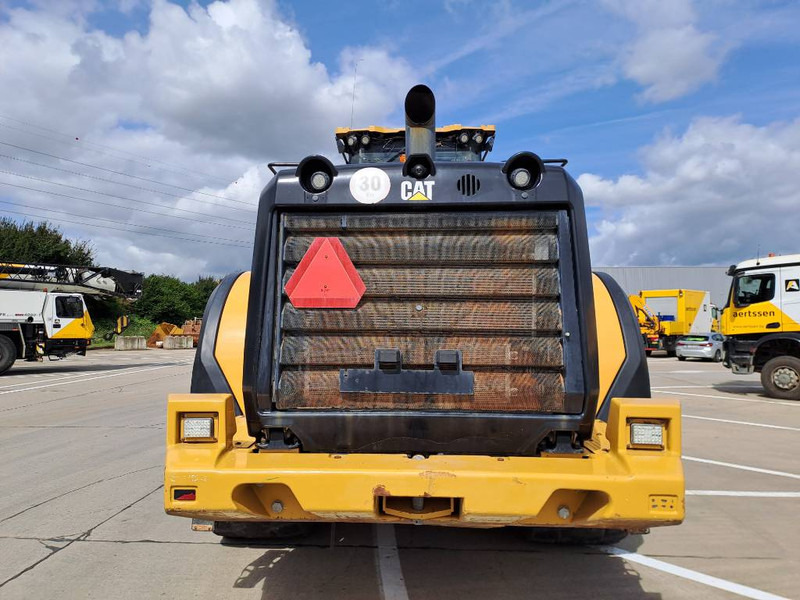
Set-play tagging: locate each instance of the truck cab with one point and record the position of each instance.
(761, 322)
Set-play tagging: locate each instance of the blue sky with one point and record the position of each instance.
(670, 113)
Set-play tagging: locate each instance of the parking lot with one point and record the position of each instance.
(81, 506)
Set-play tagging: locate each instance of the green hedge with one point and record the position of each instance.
(138, 326)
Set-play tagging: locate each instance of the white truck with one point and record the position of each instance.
(42, 310)
(761, 323)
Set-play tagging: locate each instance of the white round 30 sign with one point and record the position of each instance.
(370, 185)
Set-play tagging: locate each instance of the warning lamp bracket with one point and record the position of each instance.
(389, 377)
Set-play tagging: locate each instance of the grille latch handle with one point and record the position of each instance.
(389, 359)
(447, 360)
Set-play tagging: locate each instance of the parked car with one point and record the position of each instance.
(707, 346)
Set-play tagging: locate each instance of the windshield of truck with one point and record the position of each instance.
(749, 289)
(69, 307)
(391, 150)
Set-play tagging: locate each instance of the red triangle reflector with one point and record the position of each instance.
(325, 278)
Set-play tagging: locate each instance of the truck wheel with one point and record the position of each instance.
(718, 356)
(648, 352)
(8, 354)
(781, 377)
(575, 536)
(248, 530)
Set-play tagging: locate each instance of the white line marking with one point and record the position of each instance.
(393, 585)
(740, 494)
(76, 375)
(716, 582)
(82, 379)
(679, 387)
(706, 387)
(742, 467)
(730, 398)
(742, 423)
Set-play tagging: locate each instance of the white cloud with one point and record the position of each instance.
(670, 56)
(672, 62)
(220, 90)
(712, 195)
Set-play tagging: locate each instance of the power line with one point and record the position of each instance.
(50, 210)
(73, 138)
(74, 187)
(136, 187)
(24, 187)
(16, 212)
(83, 164)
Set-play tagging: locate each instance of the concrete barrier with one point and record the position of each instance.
(178, 342)
(133, 342)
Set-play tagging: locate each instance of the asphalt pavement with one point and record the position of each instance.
(81, 511)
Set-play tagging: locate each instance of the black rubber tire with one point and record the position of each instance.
(717, 356)
(575, 536)
(648, 353)
(681, 358)
(249, 530)
(670, 353)
(8, 354)
(782, 366)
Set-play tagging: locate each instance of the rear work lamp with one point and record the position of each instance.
(198, 428)
(647, 435)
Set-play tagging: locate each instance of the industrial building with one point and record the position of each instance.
(711, 279)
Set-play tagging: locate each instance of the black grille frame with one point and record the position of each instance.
(412, 431)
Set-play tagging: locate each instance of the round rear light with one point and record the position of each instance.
(316, 174)
(524, 170)
(520, 178)
(320, 181)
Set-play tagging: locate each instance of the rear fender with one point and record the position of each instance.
(622, 360)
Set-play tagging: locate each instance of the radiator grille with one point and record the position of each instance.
(483, 283)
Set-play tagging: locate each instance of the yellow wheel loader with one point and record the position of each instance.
(421, 340)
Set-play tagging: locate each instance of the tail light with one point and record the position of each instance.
(198, 427)
(647, 435)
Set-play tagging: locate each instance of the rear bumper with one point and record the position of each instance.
(611, 486)
(690, 352)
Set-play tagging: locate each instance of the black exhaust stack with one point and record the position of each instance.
(420, 107)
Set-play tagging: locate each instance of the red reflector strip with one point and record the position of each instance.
(184, 495)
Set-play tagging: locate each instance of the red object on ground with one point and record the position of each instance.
(325, 277)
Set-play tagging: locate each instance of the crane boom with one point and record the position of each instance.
(93, 281)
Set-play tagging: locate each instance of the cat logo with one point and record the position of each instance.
(416, 190)
(792, 285)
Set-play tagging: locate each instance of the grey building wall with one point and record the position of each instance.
(711, 279)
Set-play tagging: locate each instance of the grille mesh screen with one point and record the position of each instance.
(483, 283)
